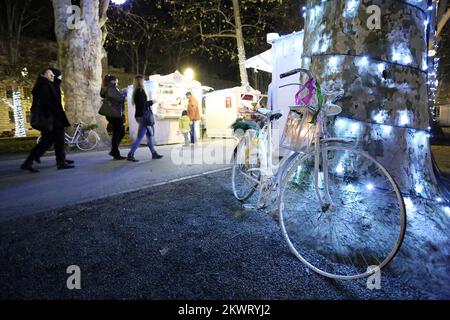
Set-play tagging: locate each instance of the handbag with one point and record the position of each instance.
(39, 121)
(147, 115)
(108, 110)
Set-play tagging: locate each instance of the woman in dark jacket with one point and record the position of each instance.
(47, 99)
(140, 101)
(111, 94)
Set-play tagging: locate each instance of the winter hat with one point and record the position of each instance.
(56, 72)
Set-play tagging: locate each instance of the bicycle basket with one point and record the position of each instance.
(298, 132)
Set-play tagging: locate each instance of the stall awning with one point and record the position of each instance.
(262, 61)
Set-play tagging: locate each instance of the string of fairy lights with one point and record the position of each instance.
(18, 115)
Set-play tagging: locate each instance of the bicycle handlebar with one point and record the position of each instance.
(292, 72)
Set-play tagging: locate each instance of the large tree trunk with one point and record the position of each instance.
(80, 54)
(385, 110)
(382, 73)
(240, 43)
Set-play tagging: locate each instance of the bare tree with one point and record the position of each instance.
(16, 18)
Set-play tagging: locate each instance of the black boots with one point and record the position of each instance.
(131, 158)
(155, 155)
(116, 155)
(65, 165)
(28, 166)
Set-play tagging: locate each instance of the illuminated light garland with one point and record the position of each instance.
(18, 115)
(351, 4)
(365, 56)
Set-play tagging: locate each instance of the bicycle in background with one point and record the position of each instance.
(84, 138)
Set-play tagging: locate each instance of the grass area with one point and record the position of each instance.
(24, 145)
(16, 145)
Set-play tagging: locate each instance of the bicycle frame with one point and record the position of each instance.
(320, 142)
(72, 139)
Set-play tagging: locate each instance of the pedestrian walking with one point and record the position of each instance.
(145, 119)
(112, 108)
(48, 116)
(184, 124)
(193, 113)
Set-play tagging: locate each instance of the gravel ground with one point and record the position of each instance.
(185, 240)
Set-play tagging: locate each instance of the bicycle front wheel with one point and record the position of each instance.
(348, 220)
(246, 171)
(87, 140)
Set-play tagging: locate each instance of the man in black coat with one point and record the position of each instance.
(47, 98)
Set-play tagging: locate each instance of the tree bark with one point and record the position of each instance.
(240, 43)
(80, 54)
(382, 72)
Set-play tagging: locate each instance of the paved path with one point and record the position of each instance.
(96, 175)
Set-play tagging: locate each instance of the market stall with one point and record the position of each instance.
(223, 107)
(169, 96)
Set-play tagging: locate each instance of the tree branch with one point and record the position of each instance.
(104, 5)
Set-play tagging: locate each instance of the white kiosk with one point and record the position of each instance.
(169, 100)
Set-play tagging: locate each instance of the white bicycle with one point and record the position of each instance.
(340, 211)
(84, 138)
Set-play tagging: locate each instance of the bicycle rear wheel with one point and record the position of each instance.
(352, 224)
(87, 140)
(245, 172)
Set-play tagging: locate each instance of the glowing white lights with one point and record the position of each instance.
(386, 130)
(351, 7)
(350, 188)
(18, 115)
(403, 118)
(340, 168)
(119, 2)
(439, 199)
(401, 54)
(418, 188)
(370, 186)
(340, 123)
(409, 207)
(362, 62)
(315, 14)
(381, 67)
(333, 61)
(380, 116)
(189, 74)
(420, 138)
(346, 127)
(447, 210)
(333, 64)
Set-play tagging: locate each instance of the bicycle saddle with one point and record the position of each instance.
(269, 114)
(264, 111)
(275, 116)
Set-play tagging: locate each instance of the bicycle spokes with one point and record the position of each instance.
(357, 221)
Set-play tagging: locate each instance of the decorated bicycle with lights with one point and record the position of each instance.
(340, 211)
